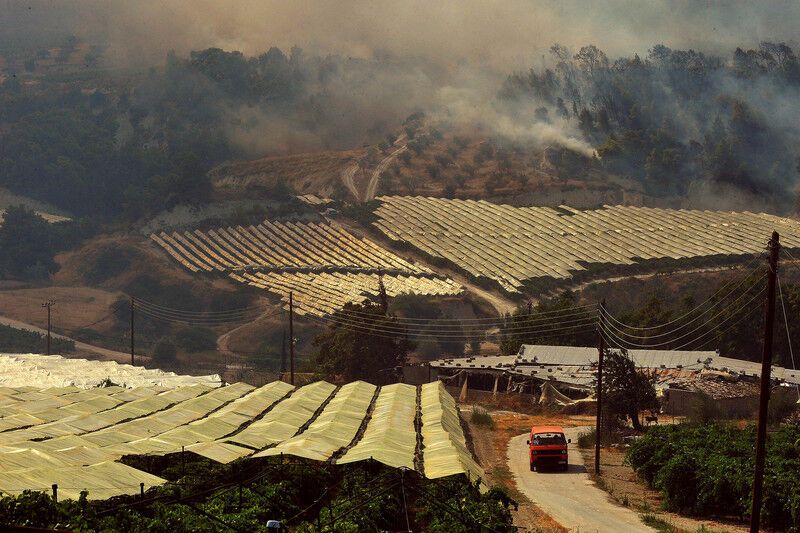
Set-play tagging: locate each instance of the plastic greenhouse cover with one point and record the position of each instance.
(42, 371)
(390, 437)
(283, 421)
(334, 428)
(221, 452)
(80, 460)
(445, 451)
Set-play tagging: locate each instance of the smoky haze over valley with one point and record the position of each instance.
(350, 73)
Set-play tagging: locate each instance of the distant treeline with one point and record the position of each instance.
(13, 340)
(123, 153)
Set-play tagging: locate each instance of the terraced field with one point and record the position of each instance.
(322, 264)
(74, 437)
(518, 246)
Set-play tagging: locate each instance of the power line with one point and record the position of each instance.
(701, 304)
(201, 321)
(190, 312)
(621, 343)
(577, 310)
(394, 333)
(676, 330)
(786, 323)
(457, 324)
(390, 325)
(665, 343)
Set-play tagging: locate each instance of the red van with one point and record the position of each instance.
(548, 447)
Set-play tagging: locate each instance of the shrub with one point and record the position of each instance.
(707, 470)
(13, 340)
(165, 352)
(195, 339)
(481, 417)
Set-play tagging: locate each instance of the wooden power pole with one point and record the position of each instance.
(763, 399)
(601, 349)
(291, 339)
(132, 335)
(48, 304)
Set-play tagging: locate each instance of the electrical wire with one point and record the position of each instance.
(525, 320)
(665, 343)
(788, 336)
(390, 325)
(577, 309)
(202, 321)
(701, 304)
(154, 305)
(627, 344)
(668, 333)
(394, 333)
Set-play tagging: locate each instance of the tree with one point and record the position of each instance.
(626, 391)
(27, 242)
(165, 352)
(365, 343)
(544, 324)
(591, 59)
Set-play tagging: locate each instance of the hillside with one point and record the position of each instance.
(443, 161)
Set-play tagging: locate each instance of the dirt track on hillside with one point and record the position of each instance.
(104, 353)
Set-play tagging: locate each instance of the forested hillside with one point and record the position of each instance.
(678, 121)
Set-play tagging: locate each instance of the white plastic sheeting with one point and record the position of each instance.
(334, 428)
(390, 437)
(445, 450)
(511, 245)
(74, 437)
(44, 371)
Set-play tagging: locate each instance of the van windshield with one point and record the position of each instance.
(544, 439)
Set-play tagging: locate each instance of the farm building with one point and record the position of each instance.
(682, 376)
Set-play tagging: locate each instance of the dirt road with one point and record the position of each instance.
(347, 179)
(372, 186)
(105, 353)
(571, 498)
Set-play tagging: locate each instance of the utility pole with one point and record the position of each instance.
(283, 353)
(291, 338)
(766, 368)
(48, 304)
(601, 349)
(132, 330)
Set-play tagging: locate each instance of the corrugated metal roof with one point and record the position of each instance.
(575, 365)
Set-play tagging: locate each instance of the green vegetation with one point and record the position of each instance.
(481, 417)
(707, 470)
(547, 317)
(626, 391)
(726, 133)
(662, 526)
(29, 243)
(305, 496)
(374, 351)
(13, 340)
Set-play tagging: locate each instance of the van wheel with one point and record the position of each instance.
(533, 468)
(564, 468)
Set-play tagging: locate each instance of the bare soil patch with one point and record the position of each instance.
(75, 307)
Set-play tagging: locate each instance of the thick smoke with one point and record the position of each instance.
(448, 57)
(501, 34)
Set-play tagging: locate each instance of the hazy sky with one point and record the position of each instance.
(501, 35)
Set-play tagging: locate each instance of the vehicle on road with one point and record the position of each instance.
(547, 447)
